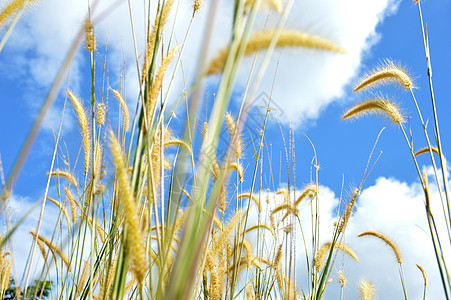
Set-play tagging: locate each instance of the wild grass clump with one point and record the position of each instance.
(152, 209)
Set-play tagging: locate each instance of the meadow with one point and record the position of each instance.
(146, 208)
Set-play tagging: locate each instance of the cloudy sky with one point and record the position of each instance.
(312, 89)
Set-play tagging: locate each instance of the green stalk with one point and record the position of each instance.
(437, 130)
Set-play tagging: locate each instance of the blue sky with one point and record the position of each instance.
(29, 61)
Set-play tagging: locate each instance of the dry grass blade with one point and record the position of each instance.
(376, 105)
(388, 72)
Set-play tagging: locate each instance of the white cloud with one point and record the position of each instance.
(394, 208)
(307, 80)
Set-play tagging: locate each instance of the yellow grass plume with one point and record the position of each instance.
(8, 9)
(289, 207)
(53, 248)
(158, 80)
(231, 128)
(387, 241)
(366, 290)
(426, 150)
(197, 5)
(376, 105)
(285, 193)
(134, 240)
(221, 239)
(386, 73)
(160, 22)
(234, 166)
(64, 174)
(5, 272)
(126, 114)
(85, 129)
(100, 113)
(425, 279)
(254, 198)
(73, 203)
(89, 36)
(348, 211)
(63, 210)
(309, 191)
(341, 279)
(273, 4)
(287, 38)
(325, 249)
(82, 279)
(262, 226)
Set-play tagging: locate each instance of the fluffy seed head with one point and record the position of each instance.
(387, 241)
(64, 174)
(135, 241)
(197, 5)
(100, 114)
(53, 248)
(341, 279)
(310, 191)
(425, 279)
(287, 38)
(158, 80)
(366, 290)
(325, 249)
(231, 127)
(9, 9)
(426, 150)
(376, 105)
(348, 212)
(273, 4)
(89, 36)
(85, 129)
(124, 108)
(386, 73)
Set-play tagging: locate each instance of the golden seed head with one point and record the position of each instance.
(387, 72)
(89, 36)
(134, 239)
(273, 4)
(376, 105)
(425, 279)
(124, 108)
(287, 38)
(325, 249)
(197, 5)
(348, 212)
(250, 292)
(85, 129)
(341, 279)
(100, 114)
(366, 290)
(387, 241)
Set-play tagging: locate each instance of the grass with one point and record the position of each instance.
(124, 229)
